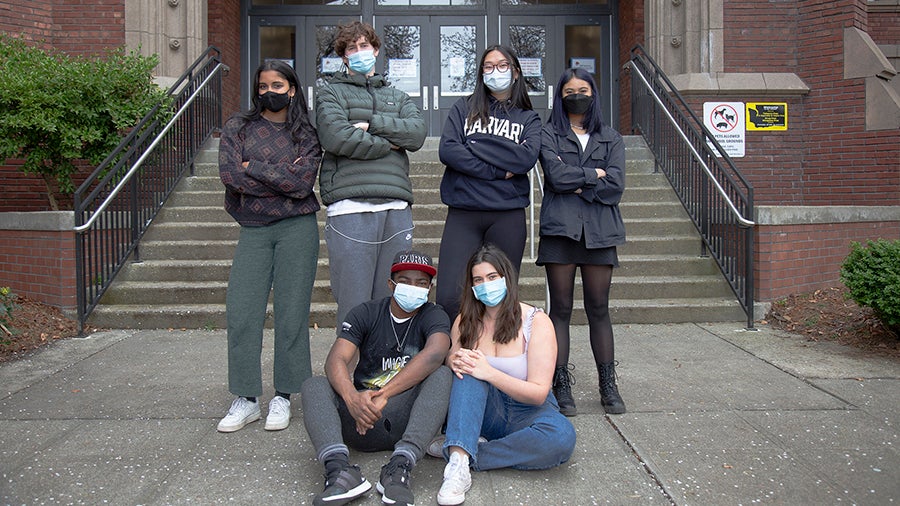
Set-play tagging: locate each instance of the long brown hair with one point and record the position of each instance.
(472, 310)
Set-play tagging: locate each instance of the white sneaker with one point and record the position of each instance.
(279, 413)
(457, 481)
(241, 413)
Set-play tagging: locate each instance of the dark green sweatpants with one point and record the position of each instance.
(281, 258)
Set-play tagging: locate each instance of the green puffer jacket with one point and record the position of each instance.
(360, 164)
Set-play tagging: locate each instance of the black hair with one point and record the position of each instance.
(593, 117)
(480, 101)
(297, 118)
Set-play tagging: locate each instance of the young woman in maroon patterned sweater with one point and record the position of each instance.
(268, 162)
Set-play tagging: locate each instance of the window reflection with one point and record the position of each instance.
(327, 61)
(277, 43)
(458, 60)
(429, 2)
(305, 2)
(555, 2)
(401, 45)
(529, 42)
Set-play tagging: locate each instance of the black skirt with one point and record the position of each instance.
(556, 249)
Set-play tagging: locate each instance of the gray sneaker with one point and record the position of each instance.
(342, 487)
(241, 413)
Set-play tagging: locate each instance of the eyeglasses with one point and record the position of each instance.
(488, 68)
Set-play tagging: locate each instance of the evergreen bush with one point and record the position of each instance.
(872, 274)
(56, 109)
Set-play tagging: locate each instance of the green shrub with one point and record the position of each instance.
(872, 274)
(56, 109)
(7, 305)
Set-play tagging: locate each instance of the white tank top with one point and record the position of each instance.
(516, 366)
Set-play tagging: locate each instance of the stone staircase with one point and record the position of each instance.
(186, 254)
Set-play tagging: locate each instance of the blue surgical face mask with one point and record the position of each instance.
(361, 62)
(498, 81)
(491, 293)
(410, 297)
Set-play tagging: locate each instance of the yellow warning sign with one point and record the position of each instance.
(767, 116)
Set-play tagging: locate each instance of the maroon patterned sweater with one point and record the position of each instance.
(272, 187)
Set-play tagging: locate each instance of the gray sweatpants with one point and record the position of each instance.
(361, 248)
(409, 420)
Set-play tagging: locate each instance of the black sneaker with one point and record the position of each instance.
(342, 487)
(394, 482)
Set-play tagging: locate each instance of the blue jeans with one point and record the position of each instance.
(520, 436)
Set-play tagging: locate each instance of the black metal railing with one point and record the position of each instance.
(117, 202)
(715, 194)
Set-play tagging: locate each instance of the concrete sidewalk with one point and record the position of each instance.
(715, 415)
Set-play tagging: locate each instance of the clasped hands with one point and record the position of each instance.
(365, 407)
(471, 362)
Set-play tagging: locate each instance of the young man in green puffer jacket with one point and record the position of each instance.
(365, 128)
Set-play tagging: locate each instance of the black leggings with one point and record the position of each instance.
(465, 232)
(596, 280)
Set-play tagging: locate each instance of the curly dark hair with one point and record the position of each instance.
(351, 32)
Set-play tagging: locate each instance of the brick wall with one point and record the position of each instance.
(88, 27)
(826, 157)
(39, 264)
(225, 33)
(754, 24)
(804, 258)
(884, 26)
(33, 21)
(631, 32)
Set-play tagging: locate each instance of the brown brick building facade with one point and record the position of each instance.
(831, 178)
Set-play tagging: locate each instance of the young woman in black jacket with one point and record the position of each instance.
(584, 176)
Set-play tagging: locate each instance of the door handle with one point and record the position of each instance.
(424, 98)
(550, 96)
(309, 98)
(436, 97)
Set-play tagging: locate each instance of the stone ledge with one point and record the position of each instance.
(807, 215)
(732, 83)
(38, 220)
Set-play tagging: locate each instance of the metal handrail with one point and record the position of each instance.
(117, 202)
(737, 214)
(140, 161)
(714, 193)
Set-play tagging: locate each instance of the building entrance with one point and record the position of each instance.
(433, 57)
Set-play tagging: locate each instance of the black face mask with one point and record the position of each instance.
(577, 103)
(274, 101)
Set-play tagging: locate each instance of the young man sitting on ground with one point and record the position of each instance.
(394, 399)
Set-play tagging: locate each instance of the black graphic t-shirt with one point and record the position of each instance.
(386, 346)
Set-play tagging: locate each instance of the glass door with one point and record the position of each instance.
(547, 45)
(304, 42)
(431, 58)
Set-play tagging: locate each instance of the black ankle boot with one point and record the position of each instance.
(562, 382)
(609, 394)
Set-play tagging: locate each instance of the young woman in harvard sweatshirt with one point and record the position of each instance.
(490, 141)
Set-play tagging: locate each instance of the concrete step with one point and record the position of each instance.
(530, 288)
(212, 223)
(187, 252)
(220, 247)
(190, 270)
(212, 316)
